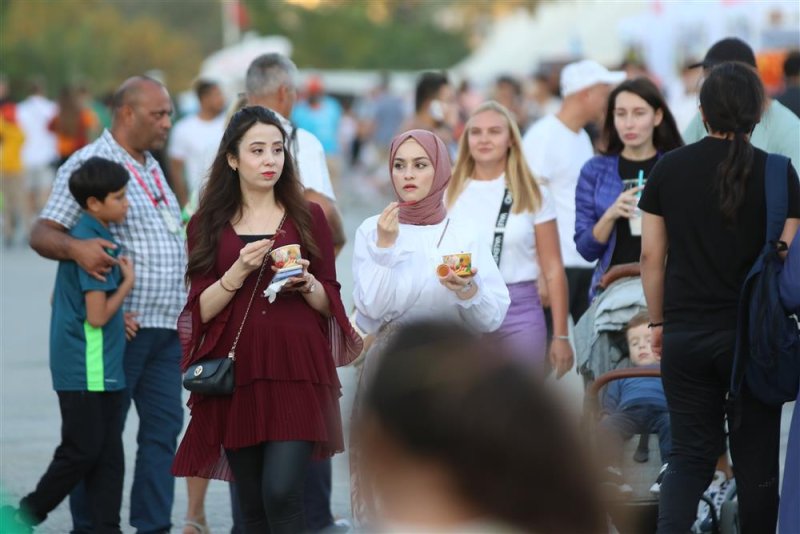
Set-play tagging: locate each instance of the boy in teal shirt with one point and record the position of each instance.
(87, 343)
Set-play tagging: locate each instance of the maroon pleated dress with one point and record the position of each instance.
(286, 382)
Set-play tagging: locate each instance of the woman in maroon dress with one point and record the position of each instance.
(285, 407)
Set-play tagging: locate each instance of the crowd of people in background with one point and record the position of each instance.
(549, 182)
(354, 129)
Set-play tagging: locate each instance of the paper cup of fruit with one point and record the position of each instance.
(460, 263)
(286, 257)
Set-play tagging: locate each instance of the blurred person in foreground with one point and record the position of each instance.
(445, 446)
(791, 72)
(779, 129)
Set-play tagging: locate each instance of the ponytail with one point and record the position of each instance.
(732, 99)
(732, 175)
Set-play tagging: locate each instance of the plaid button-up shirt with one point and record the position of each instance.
(158, 254)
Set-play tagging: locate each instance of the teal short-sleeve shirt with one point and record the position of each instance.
(83, 357)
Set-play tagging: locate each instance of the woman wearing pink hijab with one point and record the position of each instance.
(395, 263)
(397, 252)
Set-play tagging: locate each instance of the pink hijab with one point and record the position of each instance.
(430, 210)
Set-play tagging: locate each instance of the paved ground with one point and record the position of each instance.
(29, 418)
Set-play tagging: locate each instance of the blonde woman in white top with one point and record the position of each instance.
(493, 187)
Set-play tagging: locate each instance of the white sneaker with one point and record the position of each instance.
(655, 489)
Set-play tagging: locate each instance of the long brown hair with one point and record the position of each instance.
(221, 197)
(519, 179)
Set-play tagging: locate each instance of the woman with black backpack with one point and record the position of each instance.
(703, 227)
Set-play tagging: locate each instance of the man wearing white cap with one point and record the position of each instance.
(556, 147)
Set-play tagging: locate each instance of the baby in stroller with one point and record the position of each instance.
(635, 405)
(606, 355)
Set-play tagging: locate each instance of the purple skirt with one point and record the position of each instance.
(524, 330)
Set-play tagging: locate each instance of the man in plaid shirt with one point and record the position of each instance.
(152, 237)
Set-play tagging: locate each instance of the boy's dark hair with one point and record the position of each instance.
(643, 317)
(97, 177)
(428, 87)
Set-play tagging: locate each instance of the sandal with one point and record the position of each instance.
(200, 528)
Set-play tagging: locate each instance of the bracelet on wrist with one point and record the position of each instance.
(222, 285)
(654, 325)
(564, 338)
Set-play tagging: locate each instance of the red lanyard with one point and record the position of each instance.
(152, 198)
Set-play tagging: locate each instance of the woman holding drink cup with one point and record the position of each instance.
(493, 184)
(638, 130)
(284, 409)
(413, 261)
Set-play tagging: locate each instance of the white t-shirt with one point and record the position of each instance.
(555, 155)
(310, 158)
(34, 115)
(195, 141)
(480, 202)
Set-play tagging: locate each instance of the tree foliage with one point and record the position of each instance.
(362, 35)
(90, 41)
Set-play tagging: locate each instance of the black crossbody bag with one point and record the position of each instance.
(215, 376)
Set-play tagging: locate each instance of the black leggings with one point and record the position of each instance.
(696, 369)
(269, 479)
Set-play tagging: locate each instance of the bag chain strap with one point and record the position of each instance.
(232, 353)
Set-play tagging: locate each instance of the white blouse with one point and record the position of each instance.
(399, 283)
(480, 203)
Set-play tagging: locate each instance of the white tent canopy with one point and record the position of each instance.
(229, 65)
(561, 30)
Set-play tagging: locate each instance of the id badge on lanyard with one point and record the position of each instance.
(169, 219)
(160, 203)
